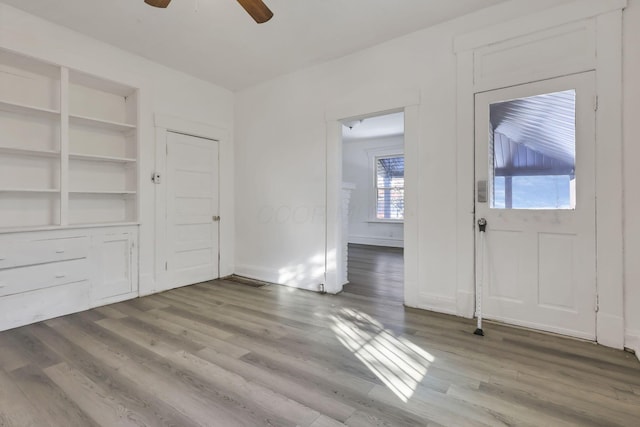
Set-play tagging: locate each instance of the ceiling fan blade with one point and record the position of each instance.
(257, 9)
(158, 3)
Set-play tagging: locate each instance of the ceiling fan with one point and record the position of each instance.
(256, 8)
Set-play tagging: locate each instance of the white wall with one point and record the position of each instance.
(281, 144)
(280, 134)
(631, 127)
(357, 169)
(163, 90)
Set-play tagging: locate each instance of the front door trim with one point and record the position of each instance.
(607, 31)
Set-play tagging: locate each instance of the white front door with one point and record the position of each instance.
(535, 185)
(192, 210)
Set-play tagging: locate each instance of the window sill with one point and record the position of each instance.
(386, 221)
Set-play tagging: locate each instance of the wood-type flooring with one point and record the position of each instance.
(226, 354)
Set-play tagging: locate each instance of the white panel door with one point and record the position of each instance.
(192, 210)
(535, 148)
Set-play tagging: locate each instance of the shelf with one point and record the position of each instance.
(99, 123)
(108, 192)
(28, 109)
(102, 224)
(29, 152)
(28, 190)
(97, 158)
(7, 230)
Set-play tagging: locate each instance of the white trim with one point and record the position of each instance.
(148, 284)
(609, 199)
(370, 105)
(544, 328)
(64, 147)
(366, 106)
(465, 185)
(163, 125)
(610, 322)
(435, 303)
(632, 341)
(411, 203)
(575, 11)
(271, 275)
(189, 127)
(114, 299)
(376, 241)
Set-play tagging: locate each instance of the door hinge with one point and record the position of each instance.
(166, 265)
(595, 103)
(597, 303)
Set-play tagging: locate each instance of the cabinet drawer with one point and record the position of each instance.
(29, 307)
(24, 279)
(31, 252)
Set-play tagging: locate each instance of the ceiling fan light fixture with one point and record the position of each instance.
(158, 3)
(257, 9)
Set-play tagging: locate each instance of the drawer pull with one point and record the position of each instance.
(60, 251)
(60, 276)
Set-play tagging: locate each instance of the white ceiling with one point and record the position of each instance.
(374, 127)
(217, 41)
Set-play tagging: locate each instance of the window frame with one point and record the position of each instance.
(373, 164)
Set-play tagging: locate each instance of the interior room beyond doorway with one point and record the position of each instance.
(373, 203)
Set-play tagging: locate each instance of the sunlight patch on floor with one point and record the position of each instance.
(397, 362)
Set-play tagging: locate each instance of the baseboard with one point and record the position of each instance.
(437, 303)
(466, 304)
(273, 276)
(258, 273)
(541, 328)
(114, 299)
(632, 341)
(376, 241)
(146, 285)
(610, 331)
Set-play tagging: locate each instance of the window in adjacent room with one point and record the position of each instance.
(389, 188)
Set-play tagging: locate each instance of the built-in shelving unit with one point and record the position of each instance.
(69, 147)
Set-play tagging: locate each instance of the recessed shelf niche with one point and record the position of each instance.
(69, 147)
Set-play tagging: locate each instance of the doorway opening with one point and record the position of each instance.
(373, 173)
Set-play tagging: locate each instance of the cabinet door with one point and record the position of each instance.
(114, 254)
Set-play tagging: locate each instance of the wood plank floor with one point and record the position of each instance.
(225, 354)
(376, 271)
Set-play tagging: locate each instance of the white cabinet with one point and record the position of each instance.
(45, 274)
(68, 191)
(69, 147)
(115, 266)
